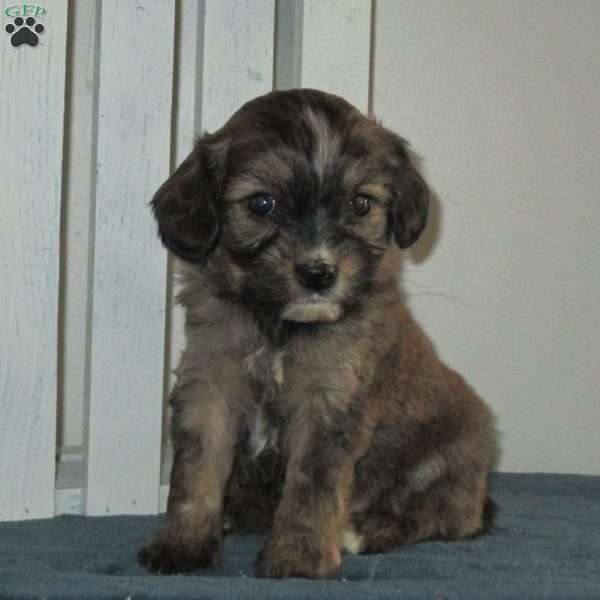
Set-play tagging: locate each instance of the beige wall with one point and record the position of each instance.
(502, 102)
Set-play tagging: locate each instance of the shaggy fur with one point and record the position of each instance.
(308, 403)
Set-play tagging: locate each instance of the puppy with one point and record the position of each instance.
(308, 403)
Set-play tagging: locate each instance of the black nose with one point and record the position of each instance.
(317, 275)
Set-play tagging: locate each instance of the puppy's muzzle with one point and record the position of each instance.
(316, 276)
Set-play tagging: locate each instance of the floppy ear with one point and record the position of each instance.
(411, 200)
(184, 207)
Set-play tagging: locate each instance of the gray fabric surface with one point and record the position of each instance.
(546, 544)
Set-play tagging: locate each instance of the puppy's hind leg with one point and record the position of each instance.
(204, 432)
(449, 510)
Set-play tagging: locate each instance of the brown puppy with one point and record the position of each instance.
(308, 403)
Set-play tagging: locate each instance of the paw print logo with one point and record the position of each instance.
(24, 32)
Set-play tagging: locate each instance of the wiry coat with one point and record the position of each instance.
(308, 402)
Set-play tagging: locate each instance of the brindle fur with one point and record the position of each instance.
(341, 424)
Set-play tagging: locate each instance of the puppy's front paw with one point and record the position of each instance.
(298, 556)
(170, 552)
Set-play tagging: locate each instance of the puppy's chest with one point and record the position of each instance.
(267, 371)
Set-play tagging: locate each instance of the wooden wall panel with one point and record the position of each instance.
(127, 316)
(31, 138)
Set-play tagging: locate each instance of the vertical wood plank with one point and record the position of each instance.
(31, 124)
(188, 70)
(81, 64)
(126, 355)
(325, 44)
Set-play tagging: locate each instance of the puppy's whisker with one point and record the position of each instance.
(440, 295)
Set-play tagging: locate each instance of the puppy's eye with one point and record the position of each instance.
(261, 204)
(361, 205)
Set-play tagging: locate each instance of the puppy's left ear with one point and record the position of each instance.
(185, 206)
(411, 199)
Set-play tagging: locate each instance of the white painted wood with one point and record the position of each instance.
(81, 65)
(70, 480)
(238, 56)
(224, 58)
(188, 70)
(126, 356)
(68, 501)
(325, 44)
(31, 124)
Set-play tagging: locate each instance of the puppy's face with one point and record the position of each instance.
(293, 204)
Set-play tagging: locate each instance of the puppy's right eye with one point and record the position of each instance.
(261, 204)
(361, 205)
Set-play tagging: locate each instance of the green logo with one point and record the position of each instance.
(25, 10)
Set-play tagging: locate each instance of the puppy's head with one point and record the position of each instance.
(292, 205)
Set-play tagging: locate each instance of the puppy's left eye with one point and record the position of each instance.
(261, 204)
(361, 205)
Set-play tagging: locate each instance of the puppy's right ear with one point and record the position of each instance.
(184, 207)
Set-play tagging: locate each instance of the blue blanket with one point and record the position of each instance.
(546, 544)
